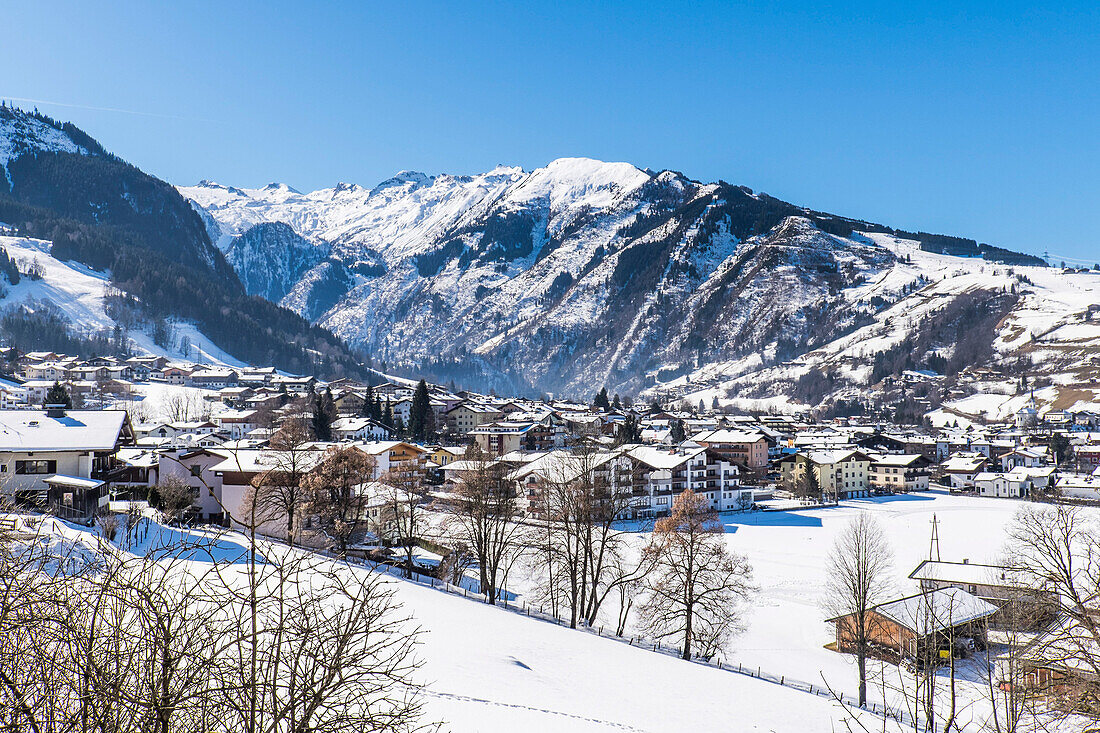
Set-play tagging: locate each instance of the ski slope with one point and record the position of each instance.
(77, 292)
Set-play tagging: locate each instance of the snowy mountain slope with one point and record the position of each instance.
(96, 209)
(1040, 337)
(268, 256)
(78, 293)
(20, 134)
(577, 273)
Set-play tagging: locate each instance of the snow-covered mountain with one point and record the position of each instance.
(585, 273)
(81, 298)
(578, 273)
(60, 186)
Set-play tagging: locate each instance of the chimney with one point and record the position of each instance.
(55, 410)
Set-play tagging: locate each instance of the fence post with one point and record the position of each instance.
(782, 679)
(738, 666)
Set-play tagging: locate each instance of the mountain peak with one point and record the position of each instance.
(280, 187)
(402, 178)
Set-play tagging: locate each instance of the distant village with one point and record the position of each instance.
(101, 441)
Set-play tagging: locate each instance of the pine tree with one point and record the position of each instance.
(601, 402)
(387, 416)
(616, 404)
(677, 432)
(418, 412)
(58, 395)
(324, 414)
(367, 410)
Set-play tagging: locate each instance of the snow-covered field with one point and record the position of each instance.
(787, 632)
(491, 669)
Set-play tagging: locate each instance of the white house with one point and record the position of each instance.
(59, 458)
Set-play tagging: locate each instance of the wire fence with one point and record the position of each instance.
(901, 716)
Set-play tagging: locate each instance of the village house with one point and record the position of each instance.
(747, 449)
(359, 428)
(1001, 485)
(1031, 457)
(900, 472)
(668, 472)
(960, 469)
(840, 473)
(59, 459)
(237, 423)
(1020, 603)
(213, 378)
(195, 468)
(465, 416)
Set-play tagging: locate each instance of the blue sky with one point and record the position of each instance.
(972, 119)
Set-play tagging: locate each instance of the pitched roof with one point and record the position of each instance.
(927, 613)
(34, 430)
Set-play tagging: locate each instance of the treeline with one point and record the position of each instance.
(45, 329)
(965, 328)
(964, 247)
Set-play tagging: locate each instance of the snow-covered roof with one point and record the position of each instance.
(664, 458)
(966, 572)
(727, 436)
(927, 613)
(34, 430)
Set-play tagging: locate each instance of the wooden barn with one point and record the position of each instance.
(918, 626)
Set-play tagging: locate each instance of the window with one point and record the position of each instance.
(196, 470)
(35, 467)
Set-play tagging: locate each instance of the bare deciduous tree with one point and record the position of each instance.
(173, 497)
(279, 492)
(859, 576)
(697, 587)
(481, 515)
(402, 489)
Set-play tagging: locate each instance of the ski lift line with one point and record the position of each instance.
(1062, 258)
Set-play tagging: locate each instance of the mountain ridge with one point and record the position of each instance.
(577, 273)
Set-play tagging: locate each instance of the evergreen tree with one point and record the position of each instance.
(419, 412)
(629, 430)
(58, 395)
(324, 414)
(655, 406)
(387, 416)
(368, 404)
(677, 432)
(616, 404)
(601, 402)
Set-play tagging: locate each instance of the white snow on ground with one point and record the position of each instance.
(489, 669)
(77, 291)
(788, 550)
